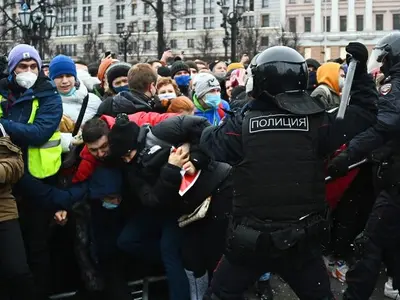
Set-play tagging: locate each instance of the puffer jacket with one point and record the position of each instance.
(11, 170)
(71, 108)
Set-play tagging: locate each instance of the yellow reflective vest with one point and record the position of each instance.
(43, 161)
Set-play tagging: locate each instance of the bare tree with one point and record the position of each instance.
(287, 38)
(205, 45)
(249, 38)
(91, 47)
(162, 9)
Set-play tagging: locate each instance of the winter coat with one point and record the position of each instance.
(72, 106)
(125, 102)
(153, 180)
(11, 170)
(17, 110)
(89, 163)
(89, 81)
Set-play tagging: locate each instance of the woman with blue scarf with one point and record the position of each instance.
(62, 71)
(207, 98)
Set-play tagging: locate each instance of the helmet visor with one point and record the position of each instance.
(376, 59)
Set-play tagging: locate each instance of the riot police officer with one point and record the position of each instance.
(381, 237)
(279, 190)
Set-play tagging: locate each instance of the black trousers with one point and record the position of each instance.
(16, 278)
(380, 243)
(304, 270)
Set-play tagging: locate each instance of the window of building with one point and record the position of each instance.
(146, 26)
(307, 53)
(75, 29)
(173, 44)
(360, 23)
(86, 2)
(120, 12)
(133, 9)
(146, 9)
(396, 21)
(212, 24)
(342, 52)
(327, 24)
(307, 24)
(379, 22)
(173, 24)
(206, 25)
(265, 41)
(251, 21)
(248, 5)
(190, 23)
(190, 43)
(101, 8)
(292, 1)
(307, 1)
(343, 23)
(147, 45)
(265, 21)
(87, 13)
(190, 7)
(209, 23)
(134, 25)
(100, 27)
(120, 27)
(292, 25)
(208, 7)
(265, 3)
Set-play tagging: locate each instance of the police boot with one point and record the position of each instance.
(264, 290)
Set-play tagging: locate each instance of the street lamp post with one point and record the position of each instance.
(232, 18)
(37, 24)
(125, 35)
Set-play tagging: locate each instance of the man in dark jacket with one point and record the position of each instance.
(141, 96)
(381, 234)
(31, 112)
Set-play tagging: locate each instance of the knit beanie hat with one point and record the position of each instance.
(117, 70)
(21, 52)
(205, 82)
(179, 66)
(234, 66)
(61, 65)
(123, 136)
(105, 64)
(192, 65)
(164, 71)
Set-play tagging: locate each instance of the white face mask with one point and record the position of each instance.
(26, 79)
(341, 82)
(167, 96)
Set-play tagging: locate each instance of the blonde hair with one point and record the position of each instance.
(165, 81)
(180, 104)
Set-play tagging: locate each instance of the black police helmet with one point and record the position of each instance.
(386, 53)
(278, 70)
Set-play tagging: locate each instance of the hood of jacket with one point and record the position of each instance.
(130, 102)
(85, 78)
(328, 74)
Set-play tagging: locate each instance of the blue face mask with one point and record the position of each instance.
(182, 80)
(109, 205)
(70, 93)
(120, 89)
(212, 100)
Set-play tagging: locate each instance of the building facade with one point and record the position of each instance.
(187, 24)
(327, 26)
(322, 27)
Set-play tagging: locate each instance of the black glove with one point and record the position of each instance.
(339, 166)
(360, 53)
(199, 158)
